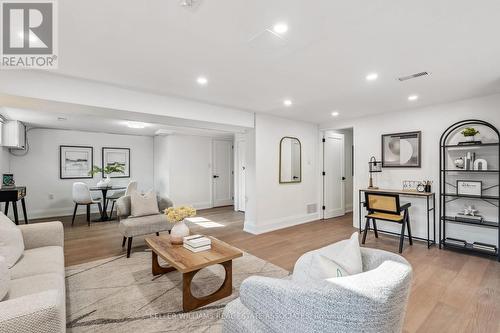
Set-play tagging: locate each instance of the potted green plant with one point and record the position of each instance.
(107, 170)
(470, 133)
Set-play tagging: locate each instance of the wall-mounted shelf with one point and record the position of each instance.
(492, 149)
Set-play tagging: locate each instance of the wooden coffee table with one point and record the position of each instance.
(189, 263)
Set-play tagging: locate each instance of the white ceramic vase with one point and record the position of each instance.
(178, 232)
(470, 138)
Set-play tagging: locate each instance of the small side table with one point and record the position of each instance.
(13, 195)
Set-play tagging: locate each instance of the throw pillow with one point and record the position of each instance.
(340, 259)
(142, 205)
(11, 241)
(346, 253)
(4, 278)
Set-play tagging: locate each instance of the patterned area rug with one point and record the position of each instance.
(121, 295)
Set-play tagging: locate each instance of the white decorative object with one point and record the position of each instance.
(178, 232)
(480, 164)
(106, 182)
(470, 211)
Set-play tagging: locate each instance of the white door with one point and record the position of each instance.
(222, 173)
(333, 176)
(241, 164)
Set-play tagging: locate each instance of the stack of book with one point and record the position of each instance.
(468, 218)
(197, 243)
(484, 247)
(456, 242)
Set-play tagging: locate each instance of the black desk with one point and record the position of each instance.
(14, 194)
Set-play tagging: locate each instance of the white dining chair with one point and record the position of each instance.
(131, 187)
(82, 196)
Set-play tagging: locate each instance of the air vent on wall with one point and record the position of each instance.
(413, 76)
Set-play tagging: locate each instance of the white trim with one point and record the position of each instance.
(279, 223)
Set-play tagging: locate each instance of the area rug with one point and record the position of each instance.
(121, 295)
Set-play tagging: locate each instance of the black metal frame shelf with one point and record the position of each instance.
(445, 197)
(486, 144)
(468, 247)
(483, 197)
(486, 224)
(473, 171)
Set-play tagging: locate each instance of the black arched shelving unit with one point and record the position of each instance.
(448, 172)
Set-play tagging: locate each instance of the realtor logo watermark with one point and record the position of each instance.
(29, 34)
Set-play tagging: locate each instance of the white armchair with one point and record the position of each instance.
(372, 301)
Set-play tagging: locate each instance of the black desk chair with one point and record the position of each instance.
(386, 207)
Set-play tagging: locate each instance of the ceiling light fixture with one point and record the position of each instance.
(287, 102)
(335, 114)
(136, 124)
(62, 118)
(412, 97)
(372, 77)
(202, 81)
(280, 28)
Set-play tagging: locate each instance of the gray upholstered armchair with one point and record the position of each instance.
(372, 301)
(131, 227)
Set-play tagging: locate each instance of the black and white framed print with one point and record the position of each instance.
(469, 188)
(75, 162)
(402, 150)
(119, 156)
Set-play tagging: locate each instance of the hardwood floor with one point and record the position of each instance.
(451, 292)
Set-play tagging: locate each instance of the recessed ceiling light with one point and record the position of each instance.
(280, 28)
(335, 114)
(135, 124)
(372, 77)
(287, 102)
(62, 118)
(202, 80)
(412, 97)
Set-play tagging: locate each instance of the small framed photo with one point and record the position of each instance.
(75, 162)
(119, 156)
(469, 187)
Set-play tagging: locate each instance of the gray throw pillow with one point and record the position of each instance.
(11, 241)
(143, 205)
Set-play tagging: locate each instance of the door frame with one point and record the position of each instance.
(239, 194)
(322, 169)
(231, 171)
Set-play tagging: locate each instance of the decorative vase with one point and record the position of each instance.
(178, 232)
(470, 138)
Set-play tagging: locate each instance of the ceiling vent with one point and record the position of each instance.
(413, 76)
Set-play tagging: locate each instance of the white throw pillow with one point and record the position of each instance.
(336, 260)
(142, 205)
(4, 278)
(346, 253)
(11, 241)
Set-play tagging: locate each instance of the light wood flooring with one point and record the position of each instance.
(451, 292)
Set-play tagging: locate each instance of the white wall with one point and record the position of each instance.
(39, 169)
(272, 205)
(183, 169)
(4, 160)
(432, 121)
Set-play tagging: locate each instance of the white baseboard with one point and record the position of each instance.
(280, 223)
(52, 212)
(348, 208)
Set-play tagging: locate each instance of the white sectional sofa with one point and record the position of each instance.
(35, 301)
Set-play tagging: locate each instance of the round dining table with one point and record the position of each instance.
(104, 190)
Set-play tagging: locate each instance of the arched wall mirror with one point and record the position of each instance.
(290, 160)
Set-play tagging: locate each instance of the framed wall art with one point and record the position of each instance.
(75, 162)
(402, 150)
(119, 156)
(469, 188)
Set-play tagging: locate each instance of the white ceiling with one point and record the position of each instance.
(86, 122)
(331, 45)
